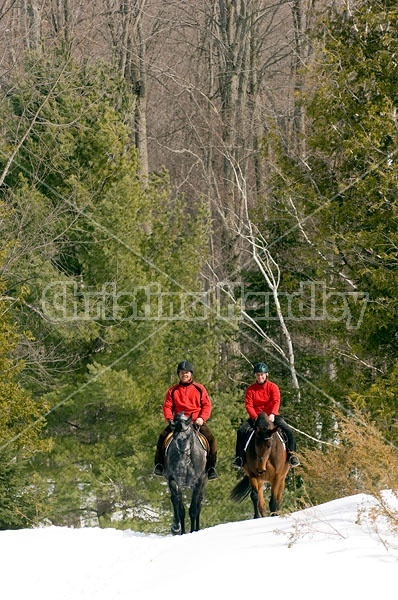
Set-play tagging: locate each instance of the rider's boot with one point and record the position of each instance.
(212, 474)
(237, 463)
(159, 469)
(293, 460)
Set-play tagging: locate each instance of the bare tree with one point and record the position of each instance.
(130, 27)
(33, 10)
(271, 273)
(224, 74)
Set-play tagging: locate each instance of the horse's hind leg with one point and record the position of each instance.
(194, 513)
(182, 515)
(277, 488)
(273, 505)
(254, 499)
(195, 507)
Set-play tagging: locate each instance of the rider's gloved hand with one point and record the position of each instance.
(199, 421)
(272, 418)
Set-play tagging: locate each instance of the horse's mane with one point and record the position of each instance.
(181, 422)
(182, 417)
(263, 425)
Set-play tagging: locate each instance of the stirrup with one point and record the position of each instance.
(237, 462)
(158, 470)
(294, 461)
(212, 474)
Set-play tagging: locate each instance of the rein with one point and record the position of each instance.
(248, 439)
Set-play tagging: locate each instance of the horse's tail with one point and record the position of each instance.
(241, 490)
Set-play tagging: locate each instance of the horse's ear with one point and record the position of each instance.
(189, 419)
(172, 423)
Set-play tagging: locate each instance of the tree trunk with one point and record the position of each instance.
(33, 24)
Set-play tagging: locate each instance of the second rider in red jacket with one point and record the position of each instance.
(263, 396)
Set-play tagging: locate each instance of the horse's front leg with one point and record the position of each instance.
(261, 502)
(178, 525)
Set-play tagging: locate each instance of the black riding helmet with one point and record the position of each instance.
(260, 368)
(185, 365)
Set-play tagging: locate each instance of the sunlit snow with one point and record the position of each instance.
(335, 550)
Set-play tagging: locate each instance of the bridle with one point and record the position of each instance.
(187, 429)
(182, 441)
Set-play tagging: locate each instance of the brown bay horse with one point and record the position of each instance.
(266, 462)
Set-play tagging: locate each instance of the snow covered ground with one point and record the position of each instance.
(334, 550)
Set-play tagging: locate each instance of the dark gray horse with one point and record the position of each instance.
(185, 468)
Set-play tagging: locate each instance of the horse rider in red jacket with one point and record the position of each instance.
(263, 396)
(192, 399)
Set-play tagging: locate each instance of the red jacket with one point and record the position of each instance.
(191, 399)
(264, 397)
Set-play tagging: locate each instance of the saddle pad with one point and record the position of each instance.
(203, 440)
(167, 440)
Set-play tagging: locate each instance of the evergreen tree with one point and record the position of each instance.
(114, 298)
(21, 422)
(355, 138)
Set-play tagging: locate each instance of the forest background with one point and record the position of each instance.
(211, 181)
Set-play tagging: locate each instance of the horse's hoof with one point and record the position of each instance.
(176, 530)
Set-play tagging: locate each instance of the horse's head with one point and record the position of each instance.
(181, 422)
(264, 431)
(182, 430)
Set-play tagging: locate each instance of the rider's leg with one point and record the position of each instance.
(159, 455)
(241, 438)
(212, 454)
(291, 440)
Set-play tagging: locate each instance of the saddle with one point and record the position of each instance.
(282, 436)
(203, 440)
